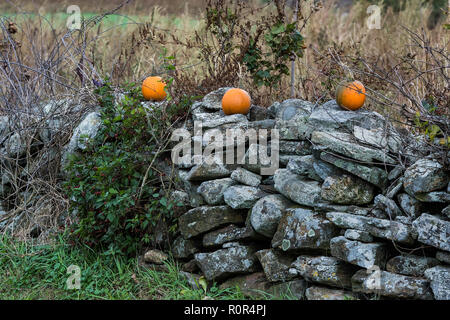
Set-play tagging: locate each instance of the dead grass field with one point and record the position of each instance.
(117, 43)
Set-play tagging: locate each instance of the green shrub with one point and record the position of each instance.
(112, 185)
(267, 68)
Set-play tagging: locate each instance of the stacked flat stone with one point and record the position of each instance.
(327, 224)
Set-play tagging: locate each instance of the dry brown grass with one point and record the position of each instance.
(136, 7)
(131, 52)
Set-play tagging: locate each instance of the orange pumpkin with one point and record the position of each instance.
(153, 89)
(351, 95)
(236, 100)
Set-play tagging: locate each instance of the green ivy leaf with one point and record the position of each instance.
(278, 28)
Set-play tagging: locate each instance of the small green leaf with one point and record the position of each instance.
(278, 28)
(203, 283)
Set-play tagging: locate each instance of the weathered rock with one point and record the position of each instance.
(391, 285)
(324, 169)
(15, 145)
(213, 100)
(302, 228)
(191, 188)
(394, 188)
(329, 207)
(240, 197)
(267, 212)
(379, 137)
(388, 206)
(325, 270)
(190, 266)
(288, 290)
(304, 166)
(86, 131)
(251, 285)
(180, 198)
(410, 205)
(285, 158)
(299, 148)
(206, 117)
(226, 262)
(433, 231)
(225, 137)
(344, 144)
(217, 122)
(411, 265)
(292, 119)
(202, 219)
(437, 196)
(52, 127)
(404, 219)
(293, 187)
(358, 235)
(329, 117)
(381, 228)
(380, 214)
(155, 256)
(268, 124)
(275, 264)
(231, 244)
(365, 255)
(198, 108)
(213, 190)
(253, 161)
(268, 181)
(322, 293)
(374, 175)
(183, 249)
(210, 168)
(346, 189)
(446, 211)
(395, 173)
(227, 234)
(258, 113)
(4, 128)
(246, 177)
(440, 282)
(423, 176)
(6, 177)
(443, 256)
(2, 210)
(273, 109)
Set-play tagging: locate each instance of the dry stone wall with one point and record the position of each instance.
(350, 213)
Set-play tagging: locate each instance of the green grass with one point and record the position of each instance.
(60, 19)
(30, 271)
(114, 20)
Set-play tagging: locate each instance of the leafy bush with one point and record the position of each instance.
(113, 186)
(268, 68)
